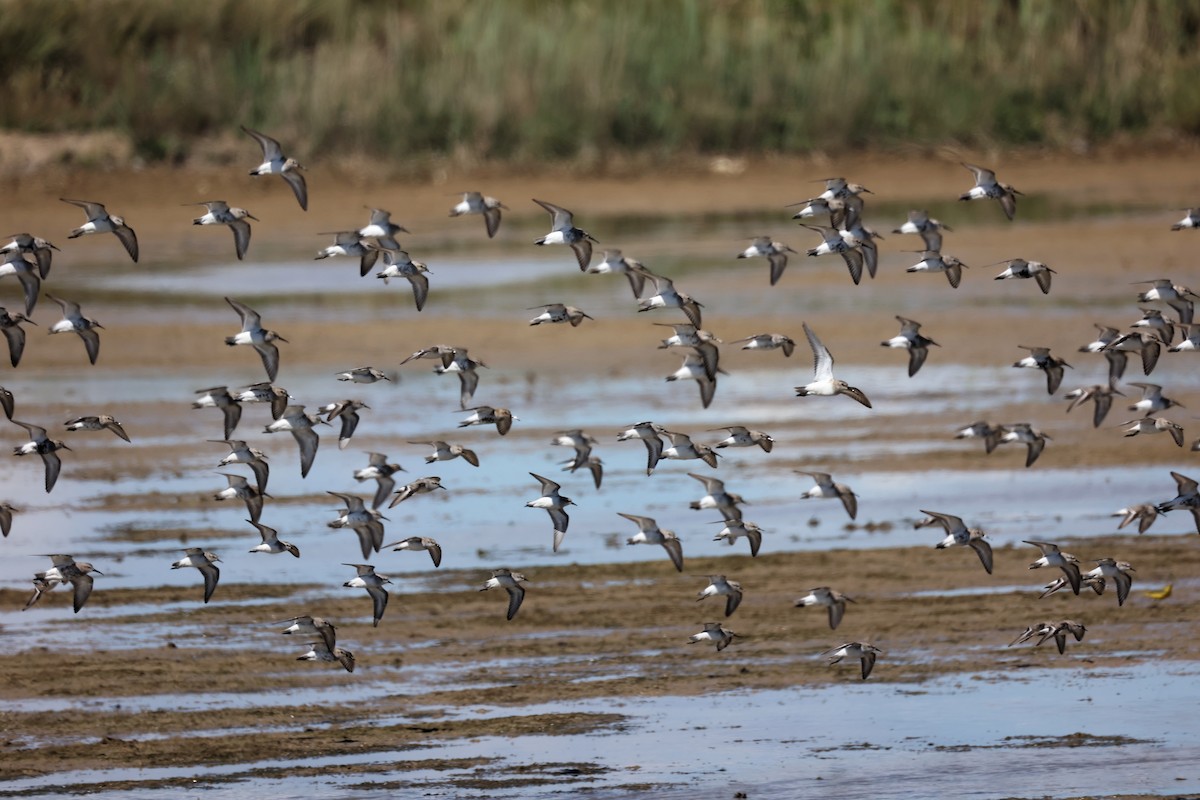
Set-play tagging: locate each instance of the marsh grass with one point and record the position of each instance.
(527, 80)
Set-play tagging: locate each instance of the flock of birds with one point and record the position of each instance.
(845, 235)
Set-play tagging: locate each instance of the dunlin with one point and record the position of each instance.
(418, 543)
(1164, 290)
(858, 236)
(477, 203)
(832, 242)
(741, 436)
(774, 252)
(40, 249)
(275, 163)
(1040, 358)
(716, 497)
(373, 583)
(816, 206)
(7, 402)
(834, 601)
(958, 534)
(1053, 557)
(1155, 425)
(649, 433)
(379, 470)
(735, 528)
(103, 422)
(457, 361)
(718, 586)
(702, 342)
(347, 412)
(363, 375)
(864, 652)
(351, 244)
(1117, 359)
(613, 262)
(399, 264)
(594, 465)
(100, 221)
(265, 392)
(929, 229)
(563, 231)
(240, 489)
(1024, 433)
(1153, 320)
(320, 651)
(300, 424)
(768, 341)
(986, 186)
(219, 397)
(10, 324)
(1152, 399)
(259, 338)
(1143, 513)
(557, 312)
(553, 503)
(419, 486)
(381, 228)
(27, 275)
(1146, 345)
(1020, 268)
(206, 563)
(825, 488)
(1060, 631)
(934, 261)
(715, 633)
(45, 447)
(221, 213)
(65, 570)
(1100, 394)
(683, 448)
(367, 523)
(510, 582)
(313, 627)
(73, 321)
(502, 418)
(910, 339)
(667, 296)
(650, 533)
(443, 451)
(271, 543)
(823, 383)
(577, 439)
(1117, 572)
(695, 369)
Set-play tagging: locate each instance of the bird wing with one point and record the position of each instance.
(822, 358)
(270, 147)
(250, 318)
(308, 440)
(91, 343)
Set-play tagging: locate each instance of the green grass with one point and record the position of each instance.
(524, 80)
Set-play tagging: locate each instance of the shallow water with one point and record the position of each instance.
(1020, 733)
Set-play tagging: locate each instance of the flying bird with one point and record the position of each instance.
(275, 163)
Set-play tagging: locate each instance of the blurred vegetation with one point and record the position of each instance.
(538, 79)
